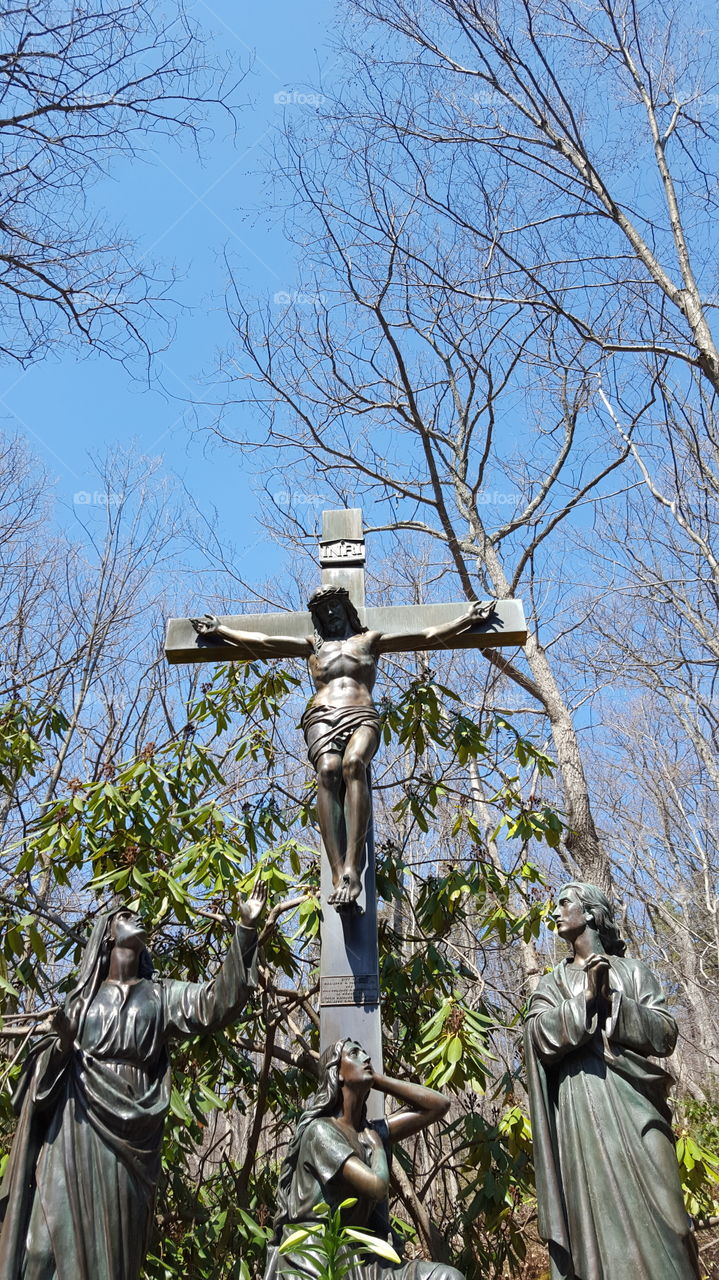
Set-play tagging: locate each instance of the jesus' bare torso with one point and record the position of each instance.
(341, 722)
(344, 671)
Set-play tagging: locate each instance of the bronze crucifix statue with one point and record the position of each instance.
(342, 641)
(341, 722)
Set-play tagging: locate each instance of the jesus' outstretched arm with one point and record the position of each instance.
(478, 611)
(256, 642)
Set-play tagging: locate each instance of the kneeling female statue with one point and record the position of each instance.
(608, 1190)
(336, 1155)
(78, 1195)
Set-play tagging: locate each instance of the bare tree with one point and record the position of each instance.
(489, 268)
(79, 86)
(654, 557)
(658, 808)
(82, 617)
(396, 386)
(581, 143)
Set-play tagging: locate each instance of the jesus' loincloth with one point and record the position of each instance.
(330, 728)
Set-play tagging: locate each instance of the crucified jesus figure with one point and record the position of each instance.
(341, 722)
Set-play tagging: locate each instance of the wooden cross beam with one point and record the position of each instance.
(349, 970)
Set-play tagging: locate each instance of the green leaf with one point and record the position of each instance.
(455, 1049)
(298, 1237)
(375, 1244)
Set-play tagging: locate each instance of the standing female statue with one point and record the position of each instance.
(336, 1155)
(341, 722)
(78, 1195)
(610, 1200)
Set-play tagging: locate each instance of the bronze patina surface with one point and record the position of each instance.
(336, 1155)
(341, 722)
(609, 1195)
(78, 1195)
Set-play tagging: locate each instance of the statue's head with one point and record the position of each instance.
(119, 926)
(332, 609)
(598, 912)
(345, 1061)
(125, 928)
(345, 1064)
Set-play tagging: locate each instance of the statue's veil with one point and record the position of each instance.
(94, 966)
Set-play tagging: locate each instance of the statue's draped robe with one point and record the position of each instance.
(318, 1177)
(78, 1196)
(328, 728)
(610, 1200)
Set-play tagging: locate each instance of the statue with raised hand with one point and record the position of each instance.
(78, 1195)
(341, 722)
(609, 1196)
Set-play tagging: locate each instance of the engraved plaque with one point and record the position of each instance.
(350, 989)
(342, 551)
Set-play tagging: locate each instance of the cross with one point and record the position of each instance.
(349, 966)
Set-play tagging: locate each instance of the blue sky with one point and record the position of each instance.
(185, 212)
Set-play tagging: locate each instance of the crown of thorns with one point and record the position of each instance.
(336, 593)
